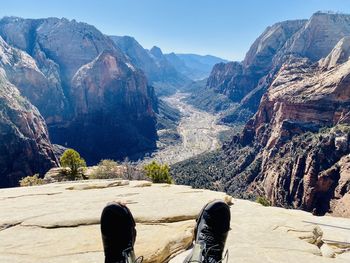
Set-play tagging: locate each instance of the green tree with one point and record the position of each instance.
(158, 173)
(263, 201)
(72, 159)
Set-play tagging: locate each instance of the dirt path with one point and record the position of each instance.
(197, 128)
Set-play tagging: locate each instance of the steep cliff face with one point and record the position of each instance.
(318, 35)
(228, 79)
(167, 73)
(238, 79)
(50, 37)
(138, 56)
(312, 39)
(22, 70)
(340, 54)
(300, 168)
(159, 71)
(113, 115)
(25, 148)
(73, 103)
(295, 149)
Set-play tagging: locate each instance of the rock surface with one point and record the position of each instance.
(159, 71)
(291, 150)
(55, 80)
(302, 98)
(240, 79)
(312, 39)
(52, 223)
(113, 111)
(22, 71)
(25, 148)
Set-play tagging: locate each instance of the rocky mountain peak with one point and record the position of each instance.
(156, 52)
(80, 78)
(12, 57)
(126, 43)
(339, 54)
(319, 35)
(25, 148)
(260, 56)
(49, 36)
(109, 75)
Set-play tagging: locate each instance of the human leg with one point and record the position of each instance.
(118, 234)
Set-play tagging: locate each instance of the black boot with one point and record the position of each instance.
(213, 224)
(118, 234)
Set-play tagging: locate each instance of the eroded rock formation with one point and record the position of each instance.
(312, 39)
(60, 52)
(294, 150)
(25, 148)
(159, 71)
(299, 168)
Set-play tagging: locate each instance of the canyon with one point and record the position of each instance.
(294, 148)
(198, 131)
(110, 98)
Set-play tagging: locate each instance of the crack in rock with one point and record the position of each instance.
(90, 186)
(19, 196)
(7, 226)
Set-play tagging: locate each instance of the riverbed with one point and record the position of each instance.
(198, 129)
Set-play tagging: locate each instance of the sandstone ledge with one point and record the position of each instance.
(60, 223)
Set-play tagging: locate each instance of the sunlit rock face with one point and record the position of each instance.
(298, 168)
(312, 39)
(298, 139)
(106, 116)
(159, 70)
(25, 148)
(294, 150)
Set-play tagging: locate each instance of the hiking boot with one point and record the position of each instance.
(213, 224)
(118, 234)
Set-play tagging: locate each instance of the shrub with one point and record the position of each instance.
(107, 169)
(72, 160)
(263, 201)
(158, 173)
(31, 180)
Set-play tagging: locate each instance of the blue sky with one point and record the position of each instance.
(224, 28)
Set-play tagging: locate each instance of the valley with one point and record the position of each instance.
(198, 130)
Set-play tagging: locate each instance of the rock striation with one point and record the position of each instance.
(22, 70)
(159, 71)
(237, 79)
(299, 163)
(25, 148)
(69, 229)
(57, 78)
(312, 39)
(112, 109)
(294, 150)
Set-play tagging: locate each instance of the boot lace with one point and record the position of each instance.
(201, 254)
(129, 257)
